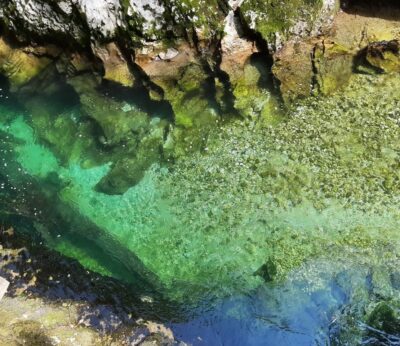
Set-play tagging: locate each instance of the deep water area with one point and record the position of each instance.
(275, 231)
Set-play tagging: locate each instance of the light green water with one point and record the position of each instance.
(259, 202)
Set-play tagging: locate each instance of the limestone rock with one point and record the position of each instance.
(168, 55)
(279, 21)
(152, 14)
(235, 49)
(184, 83)
(102, 16)
(39, 17)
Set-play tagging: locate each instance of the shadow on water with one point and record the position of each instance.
(42, 221)
(138, 96)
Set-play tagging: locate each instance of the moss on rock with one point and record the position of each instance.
(190, 95)
(274, 18)
(333, 66)
(115, 65)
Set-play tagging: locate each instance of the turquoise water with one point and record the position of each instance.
(286, 232)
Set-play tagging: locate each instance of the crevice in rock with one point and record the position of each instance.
(257, 38)
(228, 99)
(361, 64)
(314, 79)
(224, 6)
(144, 85)
(264, 55)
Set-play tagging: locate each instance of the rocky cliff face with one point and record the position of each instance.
(128, 35)
(178, 67)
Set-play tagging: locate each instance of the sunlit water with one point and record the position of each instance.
(283, 234)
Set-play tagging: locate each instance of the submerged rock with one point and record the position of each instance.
(20, 65)
(385, 56)
(117, 125)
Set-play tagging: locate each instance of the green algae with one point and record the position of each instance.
(323, 183)
(273, 17)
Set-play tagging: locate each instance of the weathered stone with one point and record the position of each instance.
(235, 50)
(130, 170)
(312, 66)
(354, 30)
(184, 83)
(169, 54)
(278, 21)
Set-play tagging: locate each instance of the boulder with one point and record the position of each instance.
(184, 82)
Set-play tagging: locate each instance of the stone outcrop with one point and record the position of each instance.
(221, 33)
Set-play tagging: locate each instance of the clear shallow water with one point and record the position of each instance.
(310, 203)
